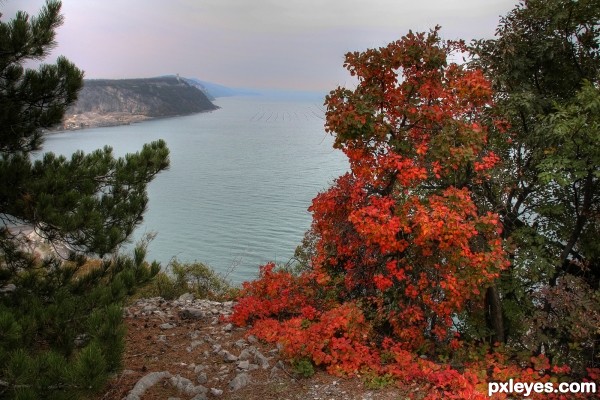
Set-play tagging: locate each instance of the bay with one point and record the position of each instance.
(240, 182)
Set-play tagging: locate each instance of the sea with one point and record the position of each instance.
(241, 179)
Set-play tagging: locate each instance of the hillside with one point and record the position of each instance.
(104, 102)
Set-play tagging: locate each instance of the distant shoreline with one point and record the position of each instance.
(115, 102)
(93, 120)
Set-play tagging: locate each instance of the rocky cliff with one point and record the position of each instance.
(104, 102)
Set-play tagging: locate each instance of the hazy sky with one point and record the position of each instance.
(293, 44)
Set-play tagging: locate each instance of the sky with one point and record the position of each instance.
(270, 44)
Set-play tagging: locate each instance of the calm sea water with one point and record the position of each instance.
(240, 182)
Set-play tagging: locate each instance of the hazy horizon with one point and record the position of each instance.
(263, 44)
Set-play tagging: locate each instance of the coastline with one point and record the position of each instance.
(77, 122)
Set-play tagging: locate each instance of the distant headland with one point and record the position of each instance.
(109, 102)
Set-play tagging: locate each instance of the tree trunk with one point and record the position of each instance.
(494, 318)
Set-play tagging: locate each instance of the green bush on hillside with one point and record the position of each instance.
(197, 278)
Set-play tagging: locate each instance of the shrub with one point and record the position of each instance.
(196, 278)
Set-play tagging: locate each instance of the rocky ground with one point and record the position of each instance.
(184, 349)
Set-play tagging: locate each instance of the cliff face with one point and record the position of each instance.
(103, 102)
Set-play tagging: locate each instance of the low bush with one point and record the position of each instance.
(197, 278)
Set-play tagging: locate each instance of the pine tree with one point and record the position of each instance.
(61, 330)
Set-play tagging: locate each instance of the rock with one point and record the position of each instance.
(186, 297)
(145, 383)
(8, 288)
(81, 340)
(241, 380)
(149, 308)
(262, 361)
(228, 327)
(216, 392)
(167, 325)
(199, 368)
(245, 364)
(186, 386)
(202, 378)
(247, 354)
(192, 313)
(227, 356)
(193, 345)
(277, 371)
(252, 353)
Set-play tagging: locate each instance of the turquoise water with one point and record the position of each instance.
(240, 182)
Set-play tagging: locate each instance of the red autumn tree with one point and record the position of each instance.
(400, 253)
(401, 249)
(401, 230)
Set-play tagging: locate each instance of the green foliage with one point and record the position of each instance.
(374, 381)
(303, 367)
(74, 333)
(90, 368)
(44, 93)
(390, 287)
(200, 279)
(304, 253)
(163, 286)
(90, 202)
(545, 68)
(61, 328)
(197, 278)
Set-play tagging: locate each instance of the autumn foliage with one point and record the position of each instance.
(403, 254)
